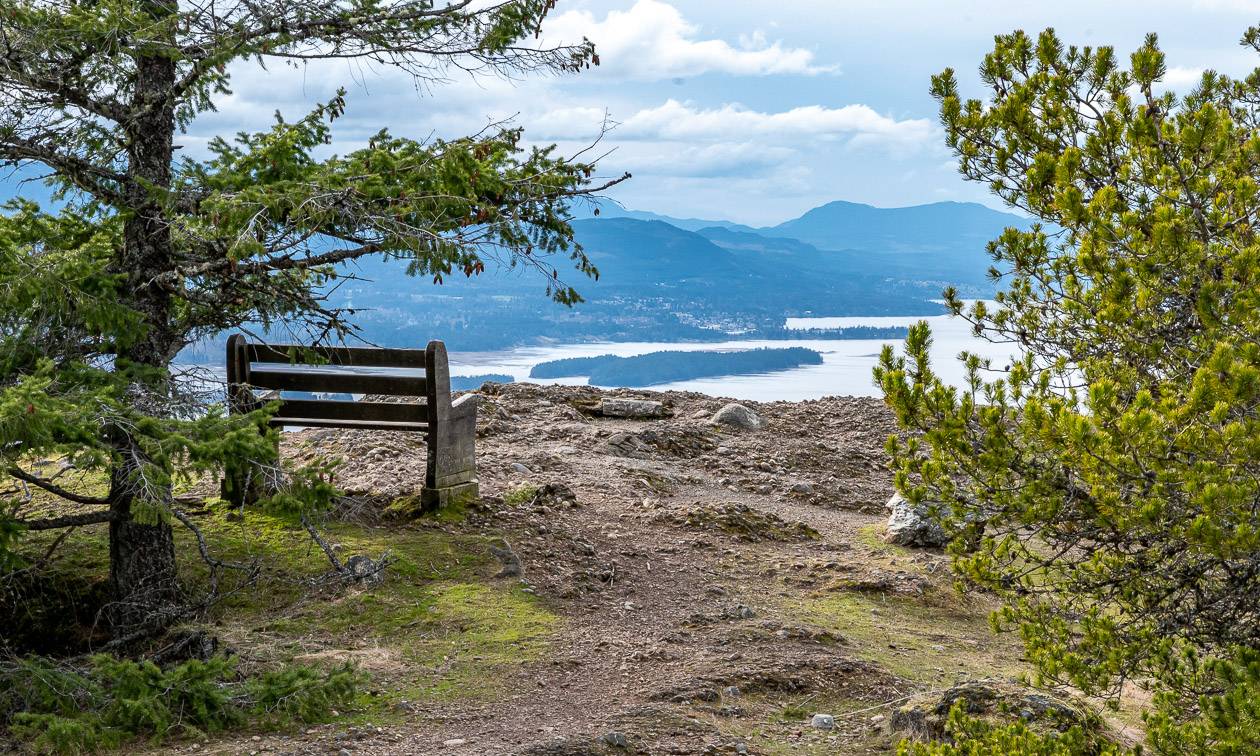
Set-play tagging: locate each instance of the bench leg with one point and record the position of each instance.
(452, 475)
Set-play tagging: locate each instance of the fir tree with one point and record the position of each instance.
(149, 252)
(1114, 467)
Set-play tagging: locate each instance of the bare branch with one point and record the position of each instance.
(56, 490)
(69, 521)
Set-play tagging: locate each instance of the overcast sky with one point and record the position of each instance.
(753, 110)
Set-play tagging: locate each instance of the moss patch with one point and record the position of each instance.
(934, 639)
(448, 628)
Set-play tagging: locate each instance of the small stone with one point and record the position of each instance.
(745, 612)
(344, 752)
(741, 747)
(629, 606)
(257, 738)
(823, 722)
(802, 489)
(517, 467)
(615, 739)
(454, 742)
(737, 416)
(731, 692)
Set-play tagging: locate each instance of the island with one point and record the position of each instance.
(670, 366)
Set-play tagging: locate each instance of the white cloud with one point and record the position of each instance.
(858, 125)
(1181, 78)
(652, 41)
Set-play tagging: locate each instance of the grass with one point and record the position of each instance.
(447, 628)
(933, 639)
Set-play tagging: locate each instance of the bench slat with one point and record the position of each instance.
(337, 381)
(341, 356)
(348, 424)
(320, 409)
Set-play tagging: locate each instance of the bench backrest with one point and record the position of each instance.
(292, 367)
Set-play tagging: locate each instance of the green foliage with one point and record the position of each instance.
(972, 736)
(1228, 721)
(57, 709)
(148, 253)
(302, 694)
(1115, 464)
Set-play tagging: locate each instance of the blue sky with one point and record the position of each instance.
(750, 111)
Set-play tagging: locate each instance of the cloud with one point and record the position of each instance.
(722, 160)
(1181, 78)
(653, 41)
(858, 126)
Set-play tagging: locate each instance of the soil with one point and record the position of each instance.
(697, 569)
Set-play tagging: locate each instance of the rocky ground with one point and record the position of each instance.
(713, 587)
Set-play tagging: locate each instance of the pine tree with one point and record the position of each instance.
(1114, 467)
(149, 252)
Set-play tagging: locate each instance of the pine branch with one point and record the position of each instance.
(83, 174)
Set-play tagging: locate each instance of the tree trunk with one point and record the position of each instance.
(142, 555)
(142, 573)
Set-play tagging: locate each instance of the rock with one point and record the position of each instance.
(632, 409)
(453, 742)
(364, 570)
(823, 722)
(737, 416)
(517, 467)
(512, 566)
(802, 489)
(911, 525)
(615, 739)
(686, 443)
(923, 717)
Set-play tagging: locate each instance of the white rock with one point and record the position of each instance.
(823, 721)
(737, 416)
(910, 525)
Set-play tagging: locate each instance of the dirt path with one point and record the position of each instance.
(697, 571)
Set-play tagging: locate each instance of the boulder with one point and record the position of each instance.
(632, 409)
(910, 525)
(738, 416)
(924, 717)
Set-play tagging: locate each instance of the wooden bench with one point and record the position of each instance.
(450, 427)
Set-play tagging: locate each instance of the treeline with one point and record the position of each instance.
(473, 382)
(669, 366)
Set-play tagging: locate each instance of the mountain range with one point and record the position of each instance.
(672, 279)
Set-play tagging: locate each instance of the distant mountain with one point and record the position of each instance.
(942, 225)
(609, 209)
(751, 241)
(660, 281)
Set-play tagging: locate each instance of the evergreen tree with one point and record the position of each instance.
(149, 252)
(1114, 466)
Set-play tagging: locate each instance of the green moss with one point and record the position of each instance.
(450, 629)
(872, 536)
(521, 494)
(932, 639)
